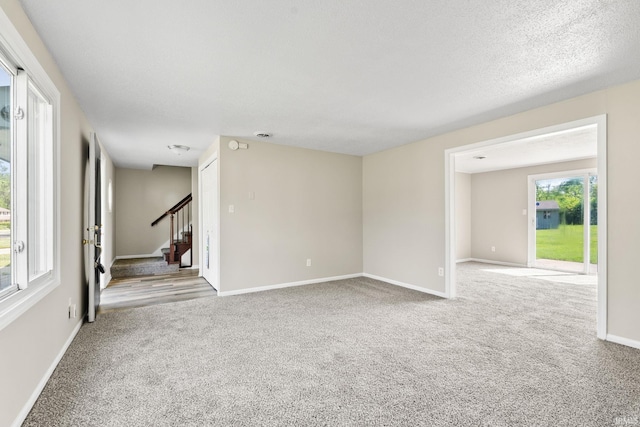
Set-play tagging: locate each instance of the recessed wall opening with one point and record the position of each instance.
(517, 201)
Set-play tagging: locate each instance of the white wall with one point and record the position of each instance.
(142, 196)
(307, 204)
(497, 201)
(404, 192)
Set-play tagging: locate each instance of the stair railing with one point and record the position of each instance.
(180, 231)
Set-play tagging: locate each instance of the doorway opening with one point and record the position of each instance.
(554, 145)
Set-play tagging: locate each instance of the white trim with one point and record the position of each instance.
(287, 285)
(214, 157)
(450, 281)
(602, 327)
(15, 46)
(45, 378)
(458, 261)
(450, 243)
(406, 285)
(623, 341)
(564, 174)
(490, 261)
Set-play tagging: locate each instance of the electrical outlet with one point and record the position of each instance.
(493, 248)
(72, 310)
(308, 262)
(440, 271)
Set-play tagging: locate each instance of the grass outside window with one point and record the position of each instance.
(565, 243)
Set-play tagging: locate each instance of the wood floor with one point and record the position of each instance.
(140, 291)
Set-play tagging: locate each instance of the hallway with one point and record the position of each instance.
(140, 291)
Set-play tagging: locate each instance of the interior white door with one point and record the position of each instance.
(209, 237)
(94, 229)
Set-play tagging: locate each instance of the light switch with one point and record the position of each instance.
(252, 195)
(232, 209)
(524, 211)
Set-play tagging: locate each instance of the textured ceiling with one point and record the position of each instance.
(353, 77)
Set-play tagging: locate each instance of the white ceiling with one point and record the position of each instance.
(353, 77)
(572, 144)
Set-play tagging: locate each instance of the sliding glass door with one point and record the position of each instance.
(564, 221)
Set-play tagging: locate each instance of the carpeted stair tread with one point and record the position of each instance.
(141, 267)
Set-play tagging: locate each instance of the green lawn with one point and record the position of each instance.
(5, 259)
(565, 243)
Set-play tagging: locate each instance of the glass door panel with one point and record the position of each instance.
(560, 223)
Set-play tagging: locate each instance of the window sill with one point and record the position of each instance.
(16, 304)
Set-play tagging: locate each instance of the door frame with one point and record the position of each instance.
(450, 209)
(94, 228)
(201, 241)
(586, 213)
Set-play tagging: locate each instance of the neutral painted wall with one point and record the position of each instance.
(31, 343)
(497, 201)
(403, 214)
(306, 204)
(142, 196)
(463, 215)
(404, 193)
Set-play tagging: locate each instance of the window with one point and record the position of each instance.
(6, 281)
(40, 189)
(29, 105)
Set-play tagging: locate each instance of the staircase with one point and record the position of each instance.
(180, 233)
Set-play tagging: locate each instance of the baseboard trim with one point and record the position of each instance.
(406, 285)
(287, 285)
(43, 382)
(623, 341)
(458, 261)
(488, 261)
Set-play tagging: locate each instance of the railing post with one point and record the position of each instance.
(171, 245)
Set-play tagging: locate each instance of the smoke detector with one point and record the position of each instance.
(263, 134)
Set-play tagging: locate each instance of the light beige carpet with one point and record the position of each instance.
(510, 351)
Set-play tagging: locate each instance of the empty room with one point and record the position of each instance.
(331, 213)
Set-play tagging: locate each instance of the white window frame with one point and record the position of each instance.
(16, 53)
